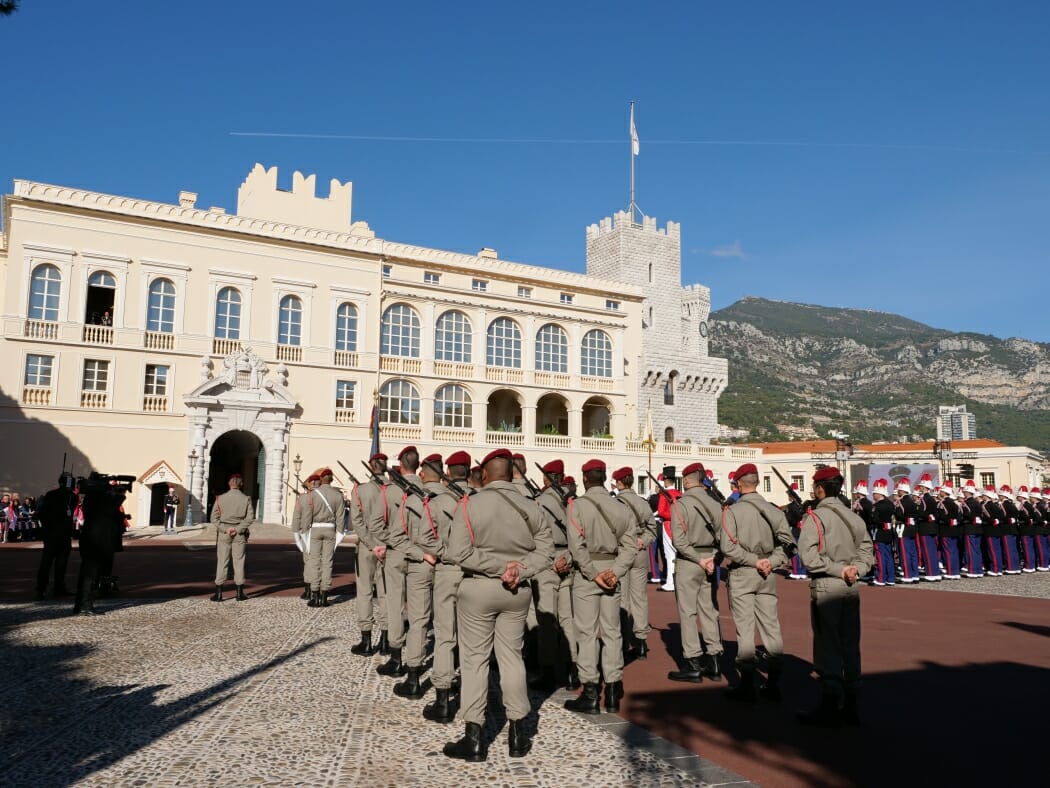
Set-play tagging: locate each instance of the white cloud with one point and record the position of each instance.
(734, 250)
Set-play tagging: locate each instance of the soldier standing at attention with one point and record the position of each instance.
(320, 516)
(447, 578)
(926, 517)
(948, 522)
(836, 548)
(970, 513)
(603, 544)
(1008, 530)
(905, 510)
(882, 526)
(499, 543)
(369, 512)
(695, 522)
(635, 583)
(232, 515)
(301, 525)
(756, 539)
(992, 514)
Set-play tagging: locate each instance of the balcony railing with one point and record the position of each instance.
(504, 374)
(36, 395)
(345, 358)
(598, 444)
(451, 370)
(409, 366)
(98, 335)
(155, 403)
(344, 415)
(596, 384)
(743, 453)
(223, 347)
(94, 399)
(289, 353)
(401, 432)
(457, 436)
(41, 329)
(159, 340)
(677, 449)
(496, 438)
(554, 380)
(544, 441)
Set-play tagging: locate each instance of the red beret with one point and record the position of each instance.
(568, 480)
(554, 466)
(497, 454)
(313, 477)
(827, 472)
(434, 458)
(233, 476)
(458, 458)
(517, 456)
(593, 465)
(476, 469)
(325, 472)
(745, 470)
(622, 473)
(696, 467)
(407, 450)
(378, 456)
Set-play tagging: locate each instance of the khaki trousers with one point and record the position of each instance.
(554, 613)
(230, 549)
(596, 610)
(754, 603)
(835, 616)
(696, 593)
(394, 576)
(319, 558)
(446, 588)
(634, 595)
(371, 590)
(490, 616)
(419, 590)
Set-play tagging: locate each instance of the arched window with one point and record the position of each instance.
(44, 291)
(346, 327)
(552, 349)
(228, 314)
(453, 407)
(669, 435)
(596, 355)
(102, 279)
(290, 321)
(453, 337)
(668, 392)
(398, 403)
(400, 333)
(504, 343)
(161, 313)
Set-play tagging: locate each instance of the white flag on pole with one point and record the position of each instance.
(634, 134)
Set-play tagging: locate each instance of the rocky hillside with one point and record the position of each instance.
(797, 370)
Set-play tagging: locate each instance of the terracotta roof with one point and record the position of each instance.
(828, 446)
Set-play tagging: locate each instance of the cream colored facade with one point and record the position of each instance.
(544, 361)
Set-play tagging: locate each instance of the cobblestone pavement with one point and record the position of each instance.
(188, 692)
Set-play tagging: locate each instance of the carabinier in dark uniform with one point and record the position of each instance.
(1008, 530)
(1028, 521)
(882, 528)
(635, 591)
(906, 511)
(55, 513)
(552, 588)
(973, 529)
(1042, 540)
(926, 518)
(500, 541)
(369, 512)
(862, 504)
(949, 524)
(992, 514)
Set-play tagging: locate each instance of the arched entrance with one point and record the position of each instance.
(237, 451)
(552, 415)
(597, 418)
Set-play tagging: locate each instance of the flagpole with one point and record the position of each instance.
(633, 207)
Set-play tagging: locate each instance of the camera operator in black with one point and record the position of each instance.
(103, 531)
(55, 514)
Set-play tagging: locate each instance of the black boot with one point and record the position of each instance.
(442, 709)
(850, 712)
(410, 687)
(770, 689)
(315, 598)
(241, 596)
(518, 742)
(641, 648)
(393, 666)
(711, 666)
(306, 592)
(384, 644)
(690, 671)
(573, 680)
(88, 609)
(217, 596)
(364, 647)
(613, 695)
(827, 714)
(587, 702)
(470, 747)
(545, 682)
(745, 690)
(324, 599)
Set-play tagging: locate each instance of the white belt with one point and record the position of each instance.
(322, 525)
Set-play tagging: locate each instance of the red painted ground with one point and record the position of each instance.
(956, 684)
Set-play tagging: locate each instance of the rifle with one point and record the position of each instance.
(712, 490)
(452, 484)
(347, 472)
(530, 485)
(410, 488)
(660, 488)
(792, 493)
(293, 489)
(375, 477)
(558, 489)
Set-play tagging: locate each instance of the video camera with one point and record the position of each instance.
(104, 482)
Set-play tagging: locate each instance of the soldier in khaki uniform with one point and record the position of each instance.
(695, 521)
(232, 515)
(836, 548)
(321, 514)
(499, 541)
(312, 481)
(553, 590)
(447, 577)
(603, 543)
(635, 584)
(756, 538)
(369, 512)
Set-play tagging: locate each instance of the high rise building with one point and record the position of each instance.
(954, 423)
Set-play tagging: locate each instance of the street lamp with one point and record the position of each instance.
(298, 463)
(188, 519)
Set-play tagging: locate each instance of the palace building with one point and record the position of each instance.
(179, 343)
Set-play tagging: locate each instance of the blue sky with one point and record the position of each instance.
(917, 180)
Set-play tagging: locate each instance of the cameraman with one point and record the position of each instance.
(103, 531)
(55, 514)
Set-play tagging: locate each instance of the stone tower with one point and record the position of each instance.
(677, 377)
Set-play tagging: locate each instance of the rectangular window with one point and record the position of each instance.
(524, 292)
(566, 298)
(767, 484)
(96, 375)
(612, 305)
(38, 370)
(344, 395)
(431, 278)
(987, 480)
(386, 271)
(156, 384)
(479, 286)
(799, 483)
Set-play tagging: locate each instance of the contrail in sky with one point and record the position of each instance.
(560, 141)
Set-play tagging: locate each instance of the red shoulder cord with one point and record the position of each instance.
(675, 509)
(820, 530)
(731, 537)
(386, 513)
(356, 496)
(466, 519)
(430, 517)
(404, 526)
(573, 520)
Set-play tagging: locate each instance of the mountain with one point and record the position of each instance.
(799, 370)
